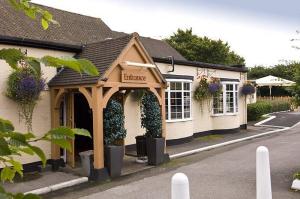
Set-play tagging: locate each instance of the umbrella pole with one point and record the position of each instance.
(270, 87)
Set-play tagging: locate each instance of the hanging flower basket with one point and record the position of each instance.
(24, 87)
(215, 87)
(248, 89)
(201, 93)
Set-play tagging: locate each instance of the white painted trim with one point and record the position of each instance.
(264, 121)
(179, 120)
(56, 187)
(129, 63)
(191, 152)
(179, 80)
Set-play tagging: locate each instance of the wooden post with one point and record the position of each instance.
(55, 150)
(163, 116)
(163, 112)
(97, 94)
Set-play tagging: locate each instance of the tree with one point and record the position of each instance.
(286, 70)
(203, 49)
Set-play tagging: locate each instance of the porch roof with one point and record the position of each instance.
(101, 54)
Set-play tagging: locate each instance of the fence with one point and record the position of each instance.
(181, 189)
(274, 98)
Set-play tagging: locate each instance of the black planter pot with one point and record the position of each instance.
(114, 159)
(141, 146)
(155, 150)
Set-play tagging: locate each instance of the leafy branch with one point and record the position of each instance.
(33, 12)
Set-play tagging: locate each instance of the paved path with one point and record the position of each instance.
(229, 174)
(287, 119)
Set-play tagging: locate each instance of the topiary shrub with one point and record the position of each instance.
(24, 86)
(151, 116)
(114, 130)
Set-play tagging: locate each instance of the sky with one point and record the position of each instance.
(259, 30)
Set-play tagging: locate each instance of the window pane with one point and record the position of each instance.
(187, 103)
(218, 104)
(172, 85)
(186, 86)
(229, 87)
(229, 101)
(178, 85)
(176, 105)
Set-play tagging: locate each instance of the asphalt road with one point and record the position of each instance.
(227, 173)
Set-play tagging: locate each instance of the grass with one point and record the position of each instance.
(210, 137)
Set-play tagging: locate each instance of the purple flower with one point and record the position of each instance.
(214, 87)
(248, 89)
(29, 87)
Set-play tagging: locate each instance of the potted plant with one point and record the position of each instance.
(151, 121)
(114, 134)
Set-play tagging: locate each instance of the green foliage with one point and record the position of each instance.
(258, 109)
(114, 130)
(34, 12)
(297, 176)
(202, 92)
(280, 106)
(24, 87)
(14, 144)
(203, 49)
(15, 58)
(151, 116)
(78, 65)
(286, 70)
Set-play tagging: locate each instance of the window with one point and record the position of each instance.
(178, 100)
(227, 101)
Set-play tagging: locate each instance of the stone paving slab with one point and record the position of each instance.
(37, 180)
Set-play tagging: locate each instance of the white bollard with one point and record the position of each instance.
(263, 176)
(180, 186)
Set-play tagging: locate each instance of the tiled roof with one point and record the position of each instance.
(74, 29)
(155, 47)
(101, 54)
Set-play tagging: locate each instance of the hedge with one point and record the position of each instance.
(258, 109)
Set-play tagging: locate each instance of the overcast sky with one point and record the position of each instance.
(259, 30)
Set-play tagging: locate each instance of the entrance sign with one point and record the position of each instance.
(134, 76)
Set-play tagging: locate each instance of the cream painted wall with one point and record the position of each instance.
(41, 117)
(202, 119)
(132, 119)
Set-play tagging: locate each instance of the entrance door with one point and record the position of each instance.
(83, 119)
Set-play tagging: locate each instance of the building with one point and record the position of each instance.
(127, 63)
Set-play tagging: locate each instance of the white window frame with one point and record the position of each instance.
(168, 92)
(235, 97)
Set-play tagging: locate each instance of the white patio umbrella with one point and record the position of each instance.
(273, 81)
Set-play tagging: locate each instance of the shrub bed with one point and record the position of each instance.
(258, 109)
